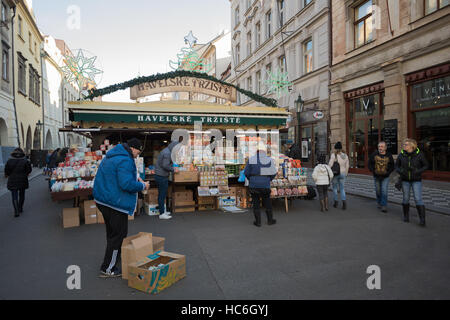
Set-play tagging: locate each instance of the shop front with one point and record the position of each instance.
(366, 126)
(429, 117)
(313, 129)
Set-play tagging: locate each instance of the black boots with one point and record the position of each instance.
(421, 212)
(335, 204)
(257, 221)
(270, 219)
(344, 204)
(405, 212)
(20, 203)
(16, 208)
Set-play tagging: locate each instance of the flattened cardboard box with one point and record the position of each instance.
(90, 212)
(71, 217)
(154, 282)
(100, 217)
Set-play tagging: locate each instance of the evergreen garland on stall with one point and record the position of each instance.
(93, 93)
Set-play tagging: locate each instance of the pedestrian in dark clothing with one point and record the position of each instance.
(17, 170)
(322, 176)
(294, 150)
(53, 158)
(163, 167)
(260, 171)
(411, 164)
(115, 192)
(381, 164)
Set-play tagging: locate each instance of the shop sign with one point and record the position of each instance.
(318, 115)
(188, 119)
(184, 84)
(431, 93)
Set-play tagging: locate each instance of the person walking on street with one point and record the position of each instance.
(339, 164)
(381, 164)
(17, 170)
(260, 171)
(411, 164)
(116, 188)
(294, 150)
(163, 167)
(322, 176)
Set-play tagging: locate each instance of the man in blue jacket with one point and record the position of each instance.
(260, 171)
(116, 188)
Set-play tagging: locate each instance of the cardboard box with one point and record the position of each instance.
(140, 205)
(151, 209)
(131, 217)
(152, 196)
(187, 195)
(71, 217)
(158, 243)
(185, 176)
(227, 201)
(100, 217)
(206, 200)
(145, 280)
(232, 191)
(90, 212)
(135, 248)
(184, 203)
(207, 207)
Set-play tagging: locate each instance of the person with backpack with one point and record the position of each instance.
(17, 170)
(381, 164)
(322, 176)
(339, 164)
(411, 164)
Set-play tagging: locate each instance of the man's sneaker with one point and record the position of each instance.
(115, 273)
(168, 213)
(165, 216)
(383, 209)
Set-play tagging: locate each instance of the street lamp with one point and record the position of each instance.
(299, 108)
(40, 126)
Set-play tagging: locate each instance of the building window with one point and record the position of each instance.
(5, 65)
(363, 23)
(22, 74)
(268, 72)
(308, 56)
(238, 54)
(282, 63)
(258, 82)
(249, 84)
(20, 29)
(30, 38)
(247, 4)
(37, 88)
(236, 16)
(4, 17)
(31, 84)
(306, 2)
(268, 24)
(281, 10)
(258, 34)
(434, 5)
(249, 43)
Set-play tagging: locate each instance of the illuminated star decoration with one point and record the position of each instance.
(189, 59)
(278, 83)
(81, 70)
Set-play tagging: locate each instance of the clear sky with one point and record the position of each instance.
(131, 36)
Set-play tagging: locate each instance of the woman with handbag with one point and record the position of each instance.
(322, 176)
(17, 170)
(411, 164)
(339, 164)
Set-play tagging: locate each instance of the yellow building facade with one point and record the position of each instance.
(28, 77)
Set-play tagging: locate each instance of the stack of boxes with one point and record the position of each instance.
(183, 197)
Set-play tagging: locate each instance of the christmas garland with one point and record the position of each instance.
(93, 93)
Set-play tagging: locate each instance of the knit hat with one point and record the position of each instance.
(135, 143)
(338, 146)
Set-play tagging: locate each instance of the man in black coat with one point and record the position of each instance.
(17, 170)
(294, 150)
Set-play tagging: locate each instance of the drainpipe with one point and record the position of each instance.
(14, 77)
(330, 62)
(43, 53)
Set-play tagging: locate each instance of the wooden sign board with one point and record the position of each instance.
(184, 84)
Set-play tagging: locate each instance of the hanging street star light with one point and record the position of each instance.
(188, 59)
(81, 69)
(277, 82)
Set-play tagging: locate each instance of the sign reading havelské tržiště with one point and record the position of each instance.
(184, 84)
(187, 119)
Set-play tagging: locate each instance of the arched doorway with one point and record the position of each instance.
(28, 142)
(48, 141)
(37, 139)
(3, 133)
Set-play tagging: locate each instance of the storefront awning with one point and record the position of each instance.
(85, 114)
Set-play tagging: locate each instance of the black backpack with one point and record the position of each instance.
(336, 168)
(311, 193)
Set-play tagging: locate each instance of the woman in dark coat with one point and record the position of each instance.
(17, 170)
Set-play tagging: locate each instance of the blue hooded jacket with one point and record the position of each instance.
(116, 184)
(260, 170)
